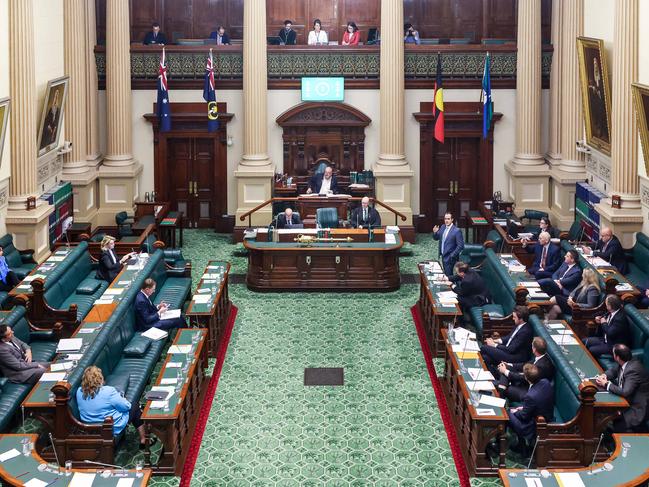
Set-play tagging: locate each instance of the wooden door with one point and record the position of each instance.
(192, 179)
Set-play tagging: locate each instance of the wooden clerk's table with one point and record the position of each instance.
(325, 265)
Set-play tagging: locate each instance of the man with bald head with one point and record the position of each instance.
(288, 219)
(547, 257)
(610, 249)
(365, 216)
(324, 183)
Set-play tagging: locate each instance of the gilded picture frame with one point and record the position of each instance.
(5, 108)
(595, 92)
(52, 115)
(641, 104)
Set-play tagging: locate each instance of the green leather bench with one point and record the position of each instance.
(127, 361)
(639, 261)
(21, 262)
(43, 345)
(474, 254)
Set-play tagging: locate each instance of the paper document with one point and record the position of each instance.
(202, 298)
(564, 339)
(125, 482)
(124, 283)
(526, 235)
(624, 287)
(102, 300)
(556, 326)
(598, 262)
(61, 366)
(516, 268)
(462, 333)
(529, 283)
(74, 356)
(205, 290)
(69, 345)
(8, 455)
(569, 479)
(533, 482)
(52, 377)
(168, 389)
(36, 483)
(210, 281)
(114, 291)
(448, 302)
(158, 404)
(392, 229)
(168, 381)
(82, 479)
(497, 402)
(537, 293)
(480, 385)
(467, 355)
(84, 331)
(485, 412)
(447, 295)
(56, 258)
(480, 374)
(170, 314)
(174, 365)
(180, 349)
(155, 334)
(390, 238)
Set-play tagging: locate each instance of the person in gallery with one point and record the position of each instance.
(410, 35)
(287, 35)
(155, 36)
(318, 37)
(352, 35)
(222, 39)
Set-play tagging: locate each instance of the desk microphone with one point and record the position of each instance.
(533, 451)
(56, 456)
(601, 437)
(120, 467)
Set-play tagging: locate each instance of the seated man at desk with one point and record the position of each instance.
(538, 401)
(566, 278)
(469, 286)
(512, 381)
(365, 216)
(613, 328)
(323, 183)
(288, 219)
(16, 359)
(628, 378)
(547, 257)
(610, 249)
(511, 348)
(148, 315)
(155, 36)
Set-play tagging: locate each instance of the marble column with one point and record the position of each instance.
(392, 172)
(529, 184)
(627, 220)
(255, 170)
(92, 141)
(118, 176)
(566, 122)
(28, 227)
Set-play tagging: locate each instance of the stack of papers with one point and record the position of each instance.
(529, 284)
(170, 314)
(82, 479)
(480, 374)
(480, 385)
(468, 346)
(392, 229)
(61, 366)
(8, 455)
(485, 412)
(598, 262)
(625, 286)
(52, 377)
(155, 334)
(69, 345)
(564, 339)
(390, 238)
(202, 298)
(496, 402)
(516, 267)
(537, 293)
(114, 291)
(180, 349)
(461, 334)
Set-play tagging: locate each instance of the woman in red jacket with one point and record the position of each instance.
(351, 35)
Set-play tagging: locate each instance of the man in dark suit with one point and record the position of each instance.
(16, 359)
(613, 328)
(155, 36)
(512, 381)
(566, 278)
(287, 35)
(365, 216)
(324, 183)
(222, 39)
(547, 257)
(451, 243)
(610, 249)
(147, 314)
(288, 219)
(628, 378)
(511, 348)
(470, 288)
(538, 401)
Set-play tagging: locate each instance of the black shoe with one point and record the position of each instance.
(492, 451)
(151, 443)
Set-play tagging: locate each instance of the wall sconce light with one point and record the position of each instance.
(230, 141)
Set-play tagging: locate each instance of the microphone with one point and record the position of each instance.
(533, 451)
(120, 467)
(56, 456)
(601, 437)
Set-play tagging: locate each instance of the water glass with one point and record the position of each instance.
(27, 450)
(68, 468)
(50, 397)
(166, 406)
(196, 337)
(138, 469)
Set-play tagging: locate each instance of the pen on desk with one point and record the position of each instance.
(52, 482)
(18, 476)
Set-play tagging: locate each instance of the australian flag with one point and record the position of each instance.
(164, 110)
(209, 95)
(488, 106)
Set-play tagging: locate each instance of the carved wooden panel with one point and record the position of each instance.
(277, 11)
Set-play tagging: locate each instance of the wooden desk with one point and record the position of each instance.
(615, 282)
(436, 315)
(308, 206)
(22, 469)
(480, 224)
(76, 230)
(174, 427)
(214, 313)
(327, 265)
(474, 431)
(510, 263)
(168, 226)
(626, 467)
(42, 271)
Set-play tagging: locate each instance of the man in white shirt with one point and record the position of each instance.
(324, 183)
(512, 380)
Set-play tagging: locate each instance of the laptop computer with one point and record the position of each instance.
(372, 36)
(274, 40)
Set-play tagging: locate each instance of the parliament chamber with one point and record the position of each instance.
(334, 243)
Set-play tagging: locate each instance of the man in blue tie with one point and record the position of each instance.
(566, 278)
(451, 243)
(148, 315)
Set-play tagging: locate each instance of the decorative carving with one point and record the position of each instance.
(644, 193)
(4, 193)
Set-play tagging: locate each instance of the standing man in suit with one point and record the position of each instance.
(323, 183)
(287, 35)
(628, 378)
(610, 249)
(511, 348)
(288, 219)
(222, 39)
(613, 328)
(147, 314)
(512, 381)
(155, 36)
(566, 278)
(547, 257)
(365, 216)
(16, 362)
(538, 401)
(469, 286)
(451, 243)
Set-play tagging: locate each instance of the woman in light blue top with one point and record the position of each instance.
(8, 280)
(97, 401)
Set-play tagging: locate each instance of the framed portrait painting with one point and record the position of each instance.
(641, 103)
(5, 106)
(595, 92)
(52, 116)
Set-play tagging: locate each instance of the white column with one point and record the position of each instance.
(556, 98)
